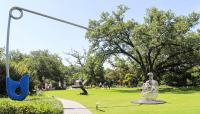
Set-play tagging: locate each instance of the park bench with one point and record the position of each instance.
(80, 84)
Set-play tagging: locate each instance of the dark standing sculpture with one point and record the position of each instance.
(79, 84)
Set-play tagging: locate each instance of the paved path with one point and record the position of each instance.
(72, 107)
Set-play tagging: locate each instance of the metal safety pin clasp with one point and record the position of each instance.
(23, 83)
(12, 86)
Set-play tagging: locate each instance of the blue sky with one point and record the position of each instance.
(33, 32)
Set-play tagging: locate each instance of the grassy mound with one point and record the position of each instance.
(32, 105)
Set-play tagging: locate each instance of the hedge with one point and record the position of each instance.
(32, 105)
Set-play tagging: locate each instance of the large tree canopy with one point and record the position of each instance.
(163, 42)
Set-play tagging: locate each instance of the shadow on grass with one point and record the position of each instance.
(117, 106)
(127, 91)
(102, 108)
(179, 90)
(173, 90)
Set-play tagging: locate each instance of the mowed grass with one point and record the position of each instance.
(118, 100)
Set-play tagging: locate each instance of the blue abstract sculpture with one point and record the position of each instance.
(23, 84)
(12, 86)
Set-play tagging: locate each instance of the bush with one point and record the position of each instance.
(32, 105)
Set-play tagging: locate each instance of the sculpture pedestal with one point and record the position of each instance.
(143, 101)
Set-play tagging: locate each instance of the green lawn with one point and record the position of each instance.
(117, 100)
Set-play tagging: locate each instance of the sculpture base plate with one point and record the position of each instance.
(143, 101)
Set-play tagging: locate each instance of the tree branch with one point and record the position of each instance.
(126, 53)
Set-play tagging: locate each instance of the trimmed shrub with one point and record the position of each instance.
(32, 105)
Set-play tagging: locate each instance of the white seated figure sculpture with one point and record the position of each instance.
(150, 88)
(149, 92)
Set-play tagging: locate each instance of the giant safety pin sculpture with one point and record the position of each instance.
(23, 84)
